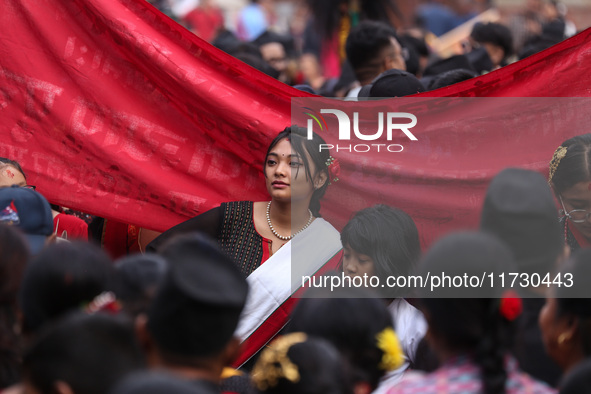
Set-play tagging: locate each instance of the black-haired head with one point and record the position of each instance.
(136, 280)
(297, 363)
(468, 320)
(197, 307)
(571, 163)
(370, 45)
(520, 210)
(350, 324)
(89, 353)
(496, 34)
(389, 237)
(65, 276)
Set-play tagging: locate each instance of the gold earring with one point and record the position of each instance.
(563, 337)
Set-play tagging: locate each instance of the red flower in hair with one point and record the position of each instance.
(334, 170)
(511, 305)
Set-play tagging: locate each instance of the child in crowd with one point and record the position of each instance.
(359, 325)
(470, 328)
(384, 242)
(296, 363)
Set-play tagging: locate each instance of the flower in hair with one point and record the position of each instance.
(511, 305)
(334, 169)
(104, 302)
(274, 363)
(388, 343)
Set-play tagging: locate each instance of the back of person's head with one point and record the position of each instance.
(30, 212)
(367, 43)
(578, 380)
(519, 209)
(468, 320)
(571, 163)
(152, 382)
(352, 325)
(393, 83)
(455, 62)
(388, 236)
(299, 364)
(198, 304)
(450, 77)
(63, 277)
(495, 34)
(136, 280)
(88, 353)
(13, 259)
(536, 44)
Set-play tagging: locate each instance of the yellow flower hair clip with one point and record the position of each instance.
(389, 344)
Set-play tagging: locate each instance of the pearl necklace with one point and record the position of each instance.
(290, 236)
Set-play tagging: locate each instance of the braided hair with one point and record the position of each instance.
(467, 320)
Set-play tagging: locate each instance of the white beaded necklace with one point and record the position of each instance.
(290, 236)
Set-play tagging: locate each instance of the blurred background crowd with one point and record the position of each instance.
(304, 42)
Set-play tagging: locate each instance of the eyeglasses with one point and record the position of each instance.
(32, 187)
(576, 215)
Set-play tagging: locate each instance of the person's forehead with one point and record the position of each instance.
(581, 190)
(10, 175)
(272, 49)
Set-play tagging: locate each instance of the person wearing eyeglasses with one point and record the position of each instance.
(570, 178)
(64, 226)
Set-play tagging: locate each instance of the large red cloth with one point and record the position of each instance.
(116, 110)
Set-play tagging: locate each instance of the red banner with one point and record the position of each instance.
(114, 109)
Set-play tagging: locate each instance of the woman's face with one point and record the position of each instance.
(357, 264)
(286, 175)
(579, 197)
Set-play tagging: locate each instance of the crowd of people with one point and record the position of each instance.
(181, 316)
(330, 47)
(210, 305)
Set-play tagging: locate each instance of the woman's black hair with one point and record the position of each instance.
(88, 352)
(297, 136)
(63, 277)
(13, 258)
(350, 324)
(574, 167)
(320, 368)
(389, 236)
(136, 279)
(575, 300)
(468, 321)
